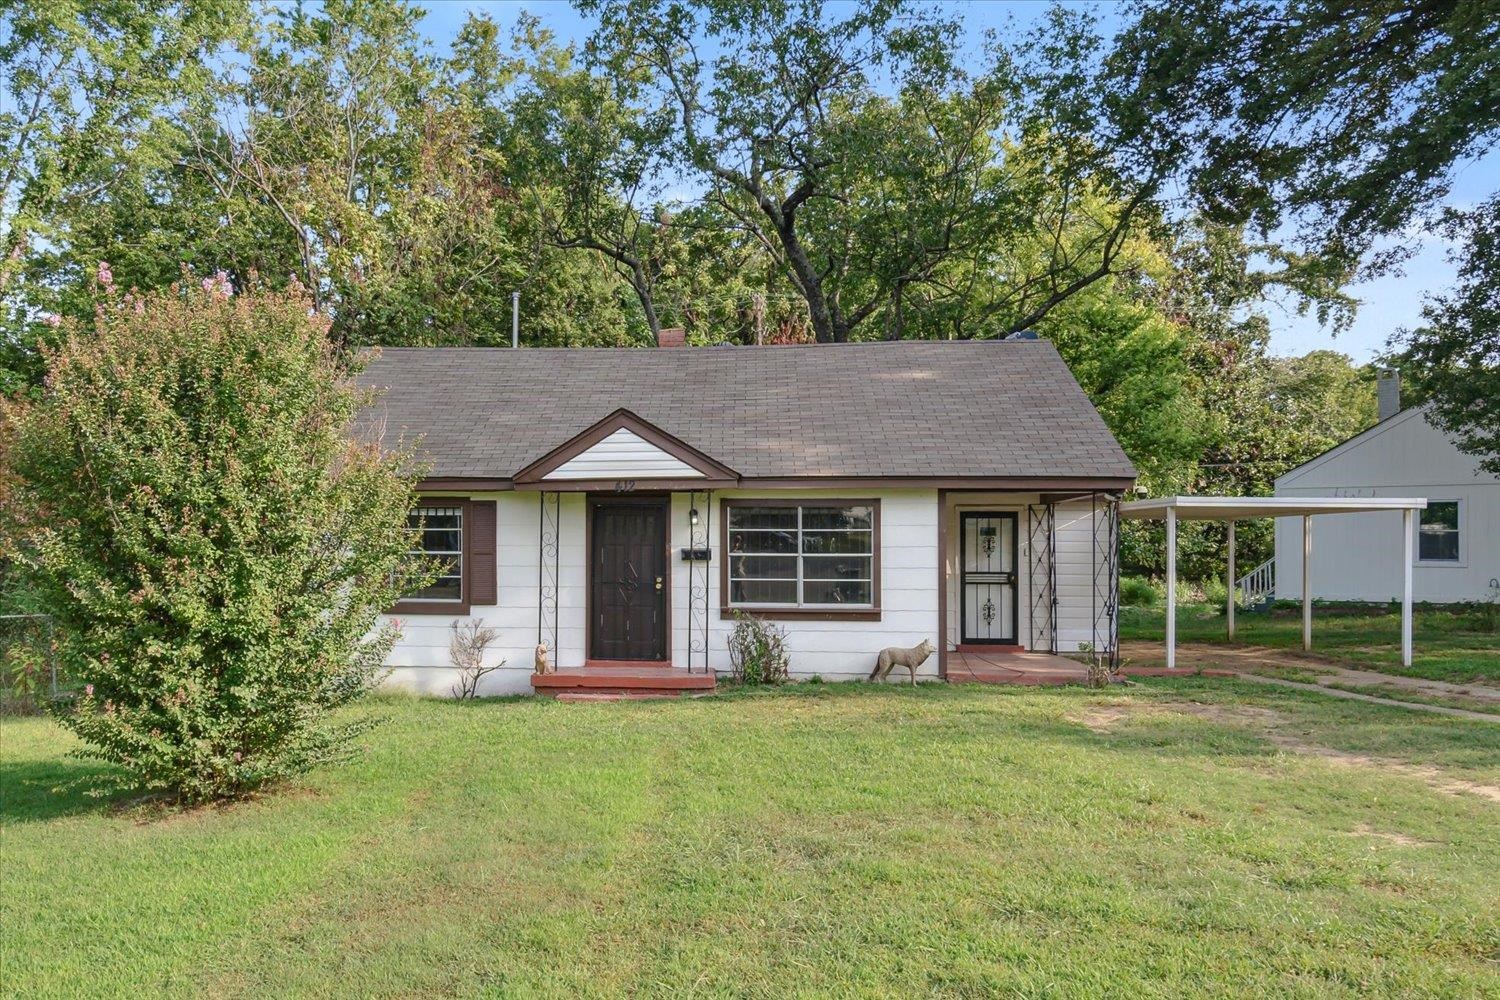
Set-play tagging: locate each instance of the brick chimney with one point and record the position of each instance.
(1387, 392)
(671, 336)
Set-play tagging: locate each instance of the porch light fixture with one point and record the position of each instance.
(693, 517)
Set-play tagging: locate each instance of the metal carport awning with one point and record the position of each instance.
(1232, 509)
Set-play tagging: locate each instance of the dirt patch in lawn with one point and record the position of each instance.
(1273, 727)
(1435, 778)
(1103, 718)
(1366, 830)
(1309, 668)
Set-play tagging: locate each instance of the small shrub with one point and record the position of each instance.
(187, 500)
(1138, 592)
(466, 648)
(1215, 591)
(24, 679)
(1487, 612)
(27, 675)
(757, 651)
(1098, 665)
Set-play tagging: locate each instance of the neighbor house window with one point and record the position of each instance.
(1437, 535)
(801, 555)
(442, 540)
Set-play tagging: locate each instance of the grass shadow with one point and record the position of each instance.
(35, 791)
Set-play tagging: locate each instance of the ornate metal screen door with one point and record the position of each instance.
(988, 583)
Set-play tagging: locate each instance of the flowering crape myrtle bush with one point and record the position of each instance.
(188, 499)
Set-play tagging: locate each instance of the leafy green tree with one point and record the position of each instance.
(1134, 364)
(848, 146)
(1337, 129)
(594, 161)
(90, 113)
(1341, 123)
(1453, 358)
(214, 543)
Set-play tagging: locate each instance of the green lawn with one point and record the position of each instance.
(1447, 645)
(1179, 837)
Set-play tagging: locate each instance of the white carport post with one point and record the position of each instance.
(1232, 509)
(1171, 588)
(1229, 582)
(1407, 535)
(1306, 582)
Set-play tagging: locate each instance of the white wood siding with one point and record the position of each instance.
(1357, 557)
(834, 650)
(420, 660)
(1075, 594)
(1076, 603)
(624, 455)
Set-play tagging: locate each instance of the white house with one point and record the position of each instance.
(1457, 548)
(619, 506)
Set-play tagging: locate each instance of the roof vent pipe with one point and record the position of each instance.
(515, 319)
(1388, 393)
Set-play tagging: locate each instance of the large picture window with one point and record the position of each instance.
(442, 539)
(807, 554)
(1438, 533)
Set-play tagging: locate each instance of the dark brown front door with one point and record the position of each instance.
(628, 580)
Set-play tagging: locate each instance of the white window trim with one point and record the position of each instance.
(1462, 562)
(800, 579)
(463, 569)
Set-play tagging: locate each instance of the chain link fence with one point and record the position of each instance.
(28, 663)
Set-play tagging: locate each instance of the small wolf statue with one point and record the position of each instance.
(542, 666)
(895, 656)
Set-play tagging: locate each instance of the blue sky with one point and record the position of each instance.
(1387, 304)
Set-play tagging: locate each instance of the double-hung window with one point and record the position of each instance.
(1438, 534)
(805, 554)
(441, 539)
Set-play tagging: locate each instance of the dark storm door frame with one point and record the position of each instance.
(964, 574)
(661, 505)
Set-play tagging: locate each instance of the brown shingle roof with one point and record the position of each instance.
(870, 410)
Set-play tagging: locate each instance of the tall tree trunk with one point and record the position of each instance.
(643, 292)
(822, 313)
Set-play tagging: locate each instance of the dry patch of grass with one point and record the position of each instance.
(1389, 836)
(1277, 729)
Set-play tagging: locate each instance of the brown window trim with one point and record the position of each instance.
(794, 612)
(459, 607)
(802, 614)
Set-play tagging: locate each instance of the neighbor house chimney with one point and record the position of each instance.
(1387, 392)
(671, 336)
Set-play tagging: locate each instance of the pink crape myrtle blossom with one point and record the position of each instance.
(104, 274)
(219, 285)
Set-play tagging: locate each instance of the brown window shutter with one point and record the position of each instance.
(482, 582)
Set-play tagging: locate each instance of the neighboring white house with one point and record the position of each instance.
(1358, 557)
(620, 506)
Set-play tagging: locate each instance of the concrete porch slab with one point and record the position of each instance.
(1007, 667)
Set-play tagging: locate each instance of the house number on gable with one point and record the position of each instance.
(624, 485)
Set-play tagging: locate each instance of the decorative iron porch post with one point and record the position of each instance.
(549, 530)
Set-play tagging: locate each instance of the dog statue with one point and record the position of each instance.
(895, 656)
(542, 666)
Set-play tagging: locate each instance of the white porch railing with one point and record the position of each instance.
(1258, 586)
